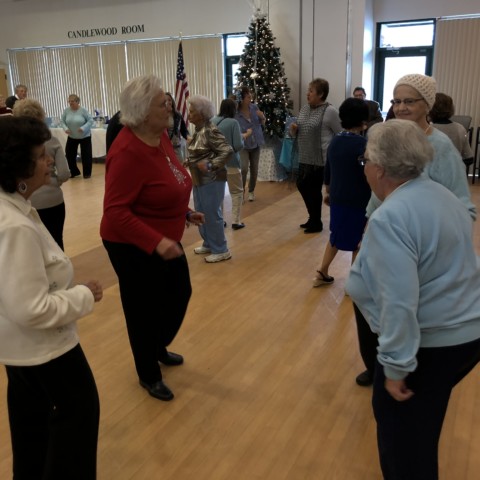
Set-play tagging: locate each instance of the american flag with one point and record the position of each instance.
(181, 89)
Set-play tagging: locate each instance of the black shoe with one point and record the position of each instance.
(238, 226)
(224, 224)
(75, 174)
(171, 359)
(306, 224)
(158, 390)
(86, 176)
(365, 379)
(313, 229)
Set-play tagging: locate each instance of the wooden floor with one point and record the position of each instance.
(267, 390)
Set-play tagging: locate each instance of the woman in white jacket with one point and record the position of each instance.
(52, 398)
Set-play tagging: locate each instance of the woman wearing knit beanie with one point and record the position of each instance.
(413, 98)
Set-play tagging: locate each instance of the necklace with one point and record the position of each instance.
(427, 129)
(349, 132)
(179, 176)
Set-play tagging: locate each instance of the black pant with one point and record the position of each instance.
(54, 219)
(71, 149)
(309, 184)
(155, 295)
(408, 432)
(54, 414)
(367, 341)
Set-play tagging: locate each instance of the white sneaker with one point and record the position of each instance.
(251, 197)
(202, 249)
(218, 257)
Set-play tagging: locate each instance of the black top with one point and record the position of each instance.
(10, 101)
(343, 173)
(179, 127)
(113, 129)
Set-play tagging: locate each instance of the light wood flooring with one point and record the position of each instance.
(267, 391)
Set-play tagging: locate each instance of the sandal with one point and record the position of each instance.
(322, 279)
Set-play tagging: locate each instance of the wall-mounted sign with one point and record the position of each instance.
(106, 31)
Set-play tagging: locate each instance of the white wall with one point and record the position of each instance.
(30, 23)
(332, 40)
(312, 35)
(393, 10)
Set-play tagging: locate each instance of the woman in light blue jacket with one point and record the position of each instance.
(416, 282)
(77, 123)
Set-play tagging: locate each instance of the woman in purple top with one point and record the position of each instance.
(250, 117)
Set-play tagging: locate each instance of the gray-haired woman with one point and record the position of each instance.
(417, 259)
(48, 199)
(413, 97)
(147, 192)
(77, 123)
(208, 153)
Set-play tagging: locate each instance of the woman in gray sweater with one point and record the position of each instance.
(48, 199)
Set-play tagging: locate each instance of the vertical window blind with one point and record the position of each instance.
(98, 72)
(456, 64)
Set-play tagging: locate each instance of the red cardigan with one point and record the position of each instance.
(144, 200)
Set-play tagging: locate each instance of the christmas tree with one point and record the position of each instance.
(262, 71)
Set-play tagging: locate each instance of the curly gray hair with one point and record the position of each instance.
(203, 106)
(29, 108)
(136, 98)
(400, 147)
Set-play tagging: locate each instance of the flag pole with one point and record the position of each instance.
(181, 88)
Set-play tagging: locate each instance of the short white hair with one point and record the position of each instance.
(136, 98)
(203, 106)
(29, 108)
(400, 147)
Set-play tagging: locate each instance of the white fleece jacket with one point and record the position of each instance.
(38, 303)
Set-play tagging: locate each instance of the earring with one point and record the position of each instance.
(22, 188)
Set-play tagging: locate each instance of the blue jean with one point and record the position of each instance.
(208, 199)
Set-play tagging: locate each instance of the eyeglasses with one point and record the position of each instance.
(408, 102)
(362, 160)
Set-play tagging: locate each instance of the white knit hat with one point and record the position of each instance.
(425, 86)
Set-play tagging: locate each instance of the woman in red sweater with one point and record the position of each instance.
(147, 192)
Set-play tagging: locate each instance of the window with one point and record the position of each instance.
(409, 34)
(402, 48)
(98, 72)
(233, 49)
